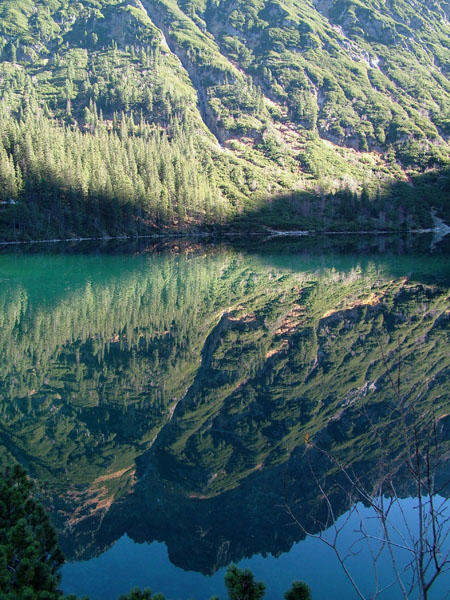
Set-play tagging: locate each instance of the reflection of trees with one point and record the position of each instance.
(193, 380)
(97, 363)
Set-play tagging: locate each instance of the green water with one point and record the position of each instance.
(164, 393)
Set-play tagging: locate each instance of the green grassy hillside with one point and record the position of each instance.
(130, 116)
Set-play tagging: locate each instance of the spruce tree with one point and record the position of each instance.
(30, 557)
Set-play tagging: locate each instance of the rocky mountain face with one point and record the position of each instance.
(278, 98)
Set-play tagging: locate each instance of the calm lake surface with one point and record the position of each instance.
(171, 399)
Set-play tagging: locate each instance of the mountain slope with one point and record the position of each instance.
(269, 98)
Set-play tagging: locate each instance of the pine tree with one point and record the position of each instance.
(241, 584)
(30, 557)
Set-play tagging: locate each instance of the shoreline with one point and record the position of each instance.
(268, 233)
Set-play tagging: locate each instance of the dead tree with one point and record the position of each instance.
(412, 452)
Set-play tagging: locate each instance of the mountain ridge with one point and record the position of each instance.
(310, 99)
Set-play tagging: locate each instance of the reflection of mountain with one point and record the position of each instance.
(205, 534)
(201, 534)
(180, 387)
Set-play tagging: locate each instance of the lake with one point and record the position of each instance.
(185, 405)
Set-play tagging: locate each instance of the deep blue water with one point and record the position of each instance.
(127, 565)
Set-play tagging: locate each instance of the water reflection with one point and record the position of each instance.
(168, 395)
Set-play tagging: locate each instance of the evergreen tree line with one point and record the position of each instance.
(119, 176)
(126, 176)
